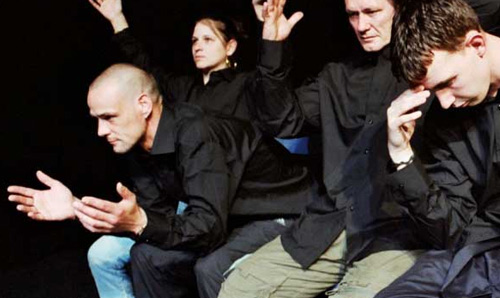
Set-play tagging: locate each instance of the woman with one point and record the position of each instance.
(220, 88)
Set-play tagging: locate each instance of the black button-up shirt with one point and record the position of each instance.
(454, 196)
(222, 168)
(225, 92)
(347, 102)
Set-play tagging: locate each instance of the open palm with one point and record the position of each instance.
(52, 204)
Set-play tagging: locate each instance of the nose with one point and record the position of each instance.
(363, 23)
(102, 128)
(446, 98)
(196, 47)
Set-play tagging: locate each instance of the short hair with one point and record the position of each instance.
(421, 26)
(128, 77)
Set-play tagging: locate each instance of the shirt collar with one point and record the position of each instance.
(164, 141)
(226, 74)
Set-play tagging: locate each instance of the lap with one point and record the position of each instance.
(366, 277)
(271, 272)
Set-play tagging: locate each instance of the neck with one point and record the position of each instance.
(152, 126)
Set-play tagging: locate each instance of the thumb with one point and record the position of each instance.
(45, 179)
(124, 192)
(295, 18)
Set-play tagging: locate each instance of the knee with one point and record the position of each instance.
(206, 267)
(109, 251)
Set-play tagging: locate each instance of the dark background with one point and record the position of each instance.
(51, 51)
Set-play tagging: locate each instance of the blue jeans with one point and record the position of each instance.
(108, 259)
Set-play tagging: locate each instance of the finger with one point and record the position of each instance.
(94, 213)
(406, 103)
(280, 5)
(407, 118)
(265, 10)
(295, 18)
(92, 224)
(26, 209)
(27, 201)
(124, 192)
(36, 216)
(21, 190)
(95, 4)
(103, 205)
(46, 179)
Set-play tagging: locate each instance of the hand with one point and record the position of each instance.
(276, 26)
(51, 204)
(101, 216)
(112, 11)
(401, 120)
(257, 6)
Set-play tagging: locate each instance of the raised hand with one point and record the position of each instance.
(101, 216)
(401, 119)
(53, 204)
(112, 11)
(276, 26)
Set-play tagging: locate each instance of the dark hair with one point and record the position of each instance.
(421, 26)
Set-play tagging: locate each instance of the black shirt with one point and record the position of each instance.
(347, 102)
(455, 201)
(225, 92)
(221, 167)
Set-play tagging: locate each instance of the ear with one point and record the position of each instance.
(476, 41)
(145, 105)
(231, 47)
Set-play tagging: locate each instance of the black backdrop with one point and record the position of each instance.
(51, 51)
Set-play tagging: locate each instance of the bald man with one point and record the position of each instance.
(220, 166)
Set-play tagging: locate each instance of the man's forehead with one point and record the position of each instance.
(355, 5)
(440, 70)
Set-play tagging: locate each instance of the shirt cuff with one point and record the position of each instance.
(410, 184)
(273, 55)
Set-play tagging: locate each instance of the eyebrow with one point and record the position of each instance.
(443, 84)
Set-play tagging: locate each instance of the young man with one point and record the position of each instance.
(357, 237)
(453, 194)
(220, 166)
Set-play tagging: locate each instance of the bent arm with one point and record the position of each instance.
(438, 196)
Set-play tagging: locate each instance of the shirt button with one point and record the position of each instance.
(367, 151)
(498, 107)
(351, 208)
(401, 186)
(370, 121)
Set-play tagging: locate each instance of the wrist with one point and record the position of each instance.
(119, 23)
(143, 222)
(401, 159)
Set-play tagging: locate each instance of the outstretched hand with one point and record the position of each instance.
(401, 121)
(276, 26)
(101, 216)
(112, 11)
(51, 204)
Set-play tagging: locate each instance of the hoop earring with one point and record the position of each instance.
(228, 63)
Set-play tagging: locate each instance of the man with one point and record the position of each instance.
(220, 166)
(358, 237)
(440, 46)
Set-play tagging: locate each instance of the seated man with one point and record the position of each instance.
(220, 166)
(454, 197)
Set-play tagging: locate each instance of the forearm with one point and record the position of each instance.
(441, 213)
(275, 102)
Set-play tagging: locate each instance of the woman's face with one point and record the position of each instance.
(209, 50)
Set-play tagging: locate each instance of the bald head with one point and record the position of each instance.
(127, 80)
(127, 104)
